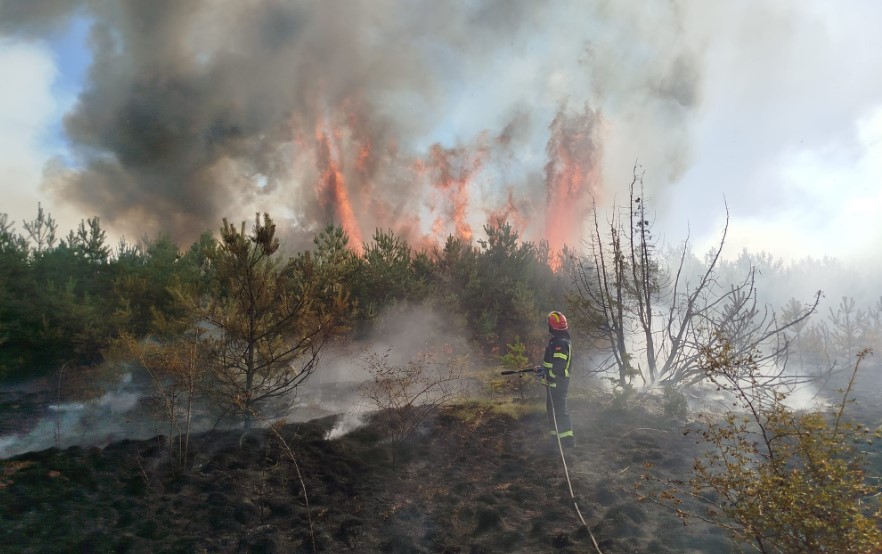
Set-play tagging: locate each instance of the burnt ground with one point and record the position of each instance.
(473, 480)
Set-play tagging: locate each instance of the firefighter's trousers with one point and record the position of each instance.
(558, 395)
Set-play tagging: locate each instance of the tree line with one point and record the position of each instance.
(64, 299)
(644, 310)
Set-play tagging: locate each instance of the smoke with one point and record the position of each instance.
(349, 422)
(98, 421)
(424, 118)
(401, 334)
(128, 407)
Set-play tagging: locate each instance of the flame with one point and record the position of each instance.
(359, 168)
(572, 178)
(509, 213)
(451, 172)
(364, 156)
(331, 187)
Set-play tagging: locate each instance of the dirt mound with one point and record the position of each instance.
(473, 480)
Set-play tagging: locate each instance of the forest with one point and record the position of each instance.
(645, 308)
(290, 276)
(65, 298)
(241, 319)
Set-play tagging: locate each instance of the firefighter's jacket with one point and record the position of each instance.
(558, 355)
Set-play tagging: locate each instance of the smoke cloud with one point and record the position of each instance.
(130, 408)
(419, 117)
(97, 421)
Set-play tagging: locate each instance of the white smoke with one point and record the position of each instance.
(123, 412)
(350, 421)
(95, 422)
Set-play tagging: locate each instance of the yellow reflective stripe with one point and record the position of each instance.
(547, 365)
(567, 368)
(563, 434)
(544, 382)
(561, 355)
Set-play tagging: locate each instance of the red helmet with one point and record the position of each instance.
(557, 321)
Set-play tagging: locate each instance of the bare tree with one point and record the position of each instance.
(407, 395)
(600, 298)
(651, 318)
(177, 371)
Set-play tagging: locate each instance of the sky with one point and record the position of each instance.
(431, 119)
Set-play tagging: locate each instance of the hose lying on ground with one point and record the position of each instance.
(567, 471)
(562, 457)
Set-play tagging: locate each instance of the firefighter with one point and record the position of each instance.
(554, 373)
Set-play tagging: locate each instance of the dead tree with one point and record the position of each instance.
(652, 317)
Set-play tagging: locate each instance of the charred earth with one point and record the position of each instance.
(476, 478)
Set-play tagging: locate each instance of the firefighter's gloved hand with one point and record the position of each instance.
(541, 373)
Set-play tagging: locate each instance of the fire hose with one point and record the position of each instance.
(514, 371)
(560, 449)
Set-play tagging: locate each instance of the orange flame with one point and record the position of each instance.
(572, 177)
(359, 168)
(452, 171)
(332, 184)
(509, 213)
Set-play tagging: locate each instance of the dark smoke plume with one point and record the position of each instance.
(196, 110)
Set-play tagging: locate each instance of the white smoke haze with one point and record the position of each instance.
(348, 422)
(107, 418)
(705, 398)
(402, 333)
(126, 411)
(807, 397)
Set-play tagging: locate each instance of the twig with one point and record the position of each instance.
(58, 408)
(643, 429)
(293, 459)
(147, 485)
(860, 357)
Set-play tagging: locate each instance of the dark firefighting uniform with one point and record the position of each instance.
(558, 357)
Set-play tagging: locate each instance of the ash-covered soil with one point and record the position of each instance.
(473, 480)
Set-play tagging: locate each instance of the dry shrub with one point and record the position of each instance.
(776, 479)
(406, 395)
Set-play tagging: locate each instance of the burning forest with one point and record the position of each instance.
(400, 277)
(333, 122)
